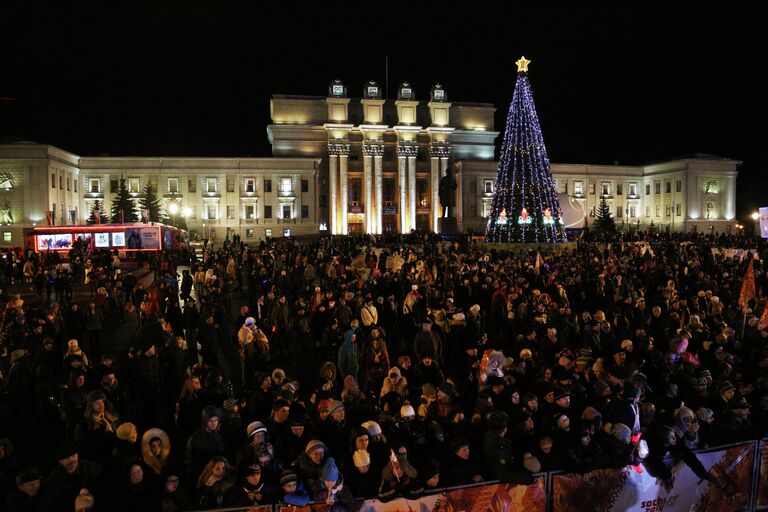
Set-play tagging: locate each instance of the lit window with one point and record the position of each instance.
(230, 185)
(7, 236)
(285, 185)
(267, 185)
(632, 211)
(211, 185)
(249, 233)
(287, 211)
(488, 187)
(133, 185)
(213, 212)
(250, 185)
(250, 211)
(173, 185)
(578, 187)
(647, 211)
(94, 185)
(268, 233)
(53, 180)
(305, 211)
(230, 212)
(657, 187)
(606, 188)
(633, 189)
(667, 187)
(647, 189)
(679, 186)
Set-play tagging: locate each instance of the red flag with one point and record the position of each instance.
(747, 287)
(395, 463)
(763, 323)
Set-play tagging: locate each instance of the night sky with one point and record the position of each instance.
(611, 84)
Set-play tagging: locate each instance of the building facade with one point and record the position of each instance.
(344, 165)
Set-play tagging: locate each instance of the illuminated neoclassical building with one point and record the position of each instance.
(355, 165)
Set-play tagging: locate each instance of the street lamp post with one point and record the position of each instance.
(173, 209)
(755, 224)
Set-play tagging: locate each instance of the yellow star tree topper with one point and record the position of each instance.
(522, 64)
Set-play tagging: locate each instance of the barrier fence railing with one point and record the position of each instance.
(741, 467)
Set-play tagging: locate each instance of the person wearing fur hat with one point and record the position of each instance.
(95, 433)
(215, 481)
(156, 450)
(205, 442)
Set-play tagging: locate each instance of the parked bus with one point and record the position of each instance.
(125, 238)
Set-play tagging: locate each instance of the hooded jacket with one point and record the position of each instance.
(204, 444)
(156, 463)
(349, 356)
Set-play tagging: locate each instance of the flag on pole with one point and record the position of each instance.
(747, 287)
(49, 217)
(539, 262)
(763, 323)
(395, 463)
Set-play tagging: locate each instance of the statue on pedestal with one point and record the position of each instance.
(447, 192)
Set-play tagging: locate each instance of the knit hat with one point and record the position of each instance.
(27, 475)
(65, 449)
(252, 469)
(324, 405)
(314, 445)
(561, 393)
(407, 411)
(474, 308)
(374, 429)
(725, 386)
(126, 431)
(704, 414)
(350, 382)
(254, 428)
(288, 476)
(600, 387)
(250, 321)
(330, 472)
(361, 458)
(336, 405)
(230, 404)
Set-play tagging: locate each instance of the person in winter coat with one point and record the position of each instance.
(349, 355)
(399, 477)
(461, 468)
(95, 433)
(71, 475)
(251, 490)
(498, 453)
(156, 450)
(136, 491)
(205, 442)
(26, 496)
(215, 481)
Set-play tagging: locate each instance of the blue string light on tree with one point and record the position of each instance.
(524, 184)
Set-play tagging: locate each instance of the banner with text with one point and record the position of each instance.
(630, 490)
(762, 482)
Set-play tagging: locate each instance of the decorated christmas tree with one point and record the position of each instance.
(524, 206)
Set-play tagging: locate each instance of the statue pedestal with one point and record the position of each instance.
(448, 227)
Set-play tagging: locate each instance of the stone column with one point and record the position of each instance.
(378, 190)
(444, 162)
(368, 180)
(344, 190)
(412, 191)
(403, 190)
(434, 177)
(333, 172)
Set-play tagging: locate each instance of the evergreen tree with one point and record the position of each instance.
(150, 202)
(604, 223)
(123, 207)
(525, 207)
(102, 216)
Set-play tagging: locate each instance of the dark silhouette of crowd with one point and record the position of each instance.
(373, 367)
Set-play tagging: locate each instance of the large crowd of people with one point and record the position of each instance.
(372, 367)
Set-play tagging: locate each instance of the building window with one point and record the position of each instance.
(657, 188)
(61, 182)
(488, 187)
(305, 186)
(173, 185)
(191, 185)
(211, 185)
(249, 233)
(667, 211)
(7, 236)
(287, 211)
(250, 211)
(286, 186)
(267, 211)
(94, 185)
(53, 180)
(250, 185)
(578, 188)
(679, 186)
(69, 184)
(619, 212)
(606, 188)
(267, 185)
(212, 211)
(667, 187)
(592, 188)
(633, 189)
(230, 212)
(305, 211)
(679, 209)
(133, 185)
(355, 191)
(230, 184)
(75, 186)
(647, 189)
(268, 233)
(632, 211)
(619, 189)
(647, 211)
(658, 210)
